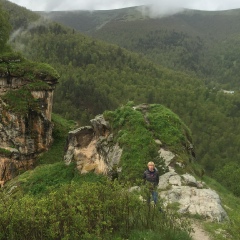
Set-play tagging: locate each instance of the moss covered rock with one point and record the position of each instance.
(135, 134)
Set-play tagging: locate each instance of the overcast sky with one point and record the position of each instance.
(55, 5)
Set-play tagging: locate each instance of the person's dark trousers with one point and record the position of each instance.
(153, 196)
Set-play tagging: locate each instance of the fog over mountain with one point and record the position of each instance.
(159, 5)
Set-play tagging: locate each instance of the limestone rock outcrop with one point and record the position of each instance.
(92, 148)
(25, 116)
(192, 196)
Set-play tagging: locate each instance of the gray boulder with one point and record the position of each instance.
(204, 202)
(185, 190)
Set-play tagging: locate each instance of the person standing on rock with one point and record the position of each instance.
(151, 179)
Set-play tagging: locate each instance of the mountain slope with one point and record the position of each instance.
(96, 76)
(76, 209)
(194, 41)
(53, 188)
(194, 22)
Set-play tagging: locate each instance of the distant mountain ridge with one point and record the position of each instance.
(195, 21)
(201, 42)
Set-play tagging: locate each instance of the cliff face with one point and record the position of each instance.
(25, 115)
(92, 148)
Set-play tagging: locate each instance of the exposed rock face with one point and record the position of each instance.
(92, 148)
(23, 136)
(166, 155)
(192, 197)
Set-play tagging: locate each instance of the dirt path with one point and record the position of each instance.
(199, 233)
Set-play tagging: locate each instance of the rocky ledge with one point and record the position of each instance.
(192, 196)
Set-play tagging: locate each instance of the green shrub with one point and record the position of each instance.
(85, 211)
(5, 152)
(229, 176)
(153, 235)
(20, 101)
(168, 127)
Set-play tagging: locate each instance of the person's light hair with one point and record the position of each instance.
(151, 163)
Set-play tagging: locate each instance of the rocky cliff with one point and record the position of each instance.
(26, 94)
(120, 144)
(92, 148)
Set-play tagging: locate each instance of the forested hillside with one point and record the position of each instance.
(200, 42)
(96, 76)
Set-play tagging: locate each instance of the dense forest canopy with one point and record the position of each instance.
(97, 76)
(195, 41)
(5, 29)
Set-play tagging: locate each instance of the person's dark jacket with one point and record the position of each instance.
(151, 177)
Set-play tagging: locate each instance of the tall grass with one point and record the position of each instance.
(60, 133)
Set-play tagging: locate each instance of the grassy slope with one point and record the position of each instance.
(136, 132)
(231, 228)
(50, 171)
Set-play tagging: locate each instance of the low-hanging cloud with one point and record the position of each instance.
(160, 5)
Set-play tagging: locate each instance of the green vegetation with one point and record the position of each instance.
(134, 137)
(8, 57)
(13, 64)
(168, 127)
(229, 229)
(56, 152)
(96, 76)
(86, 211)
(37, 86)
(36, 75)
(46, 178)
(5, 152)
(58, 203)
(22, 16)
(54, 201)
(88, 21)
(5, 30)
(136, 132)
(152, 235)
(20, 101)
(229, 176)
(184, 41)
